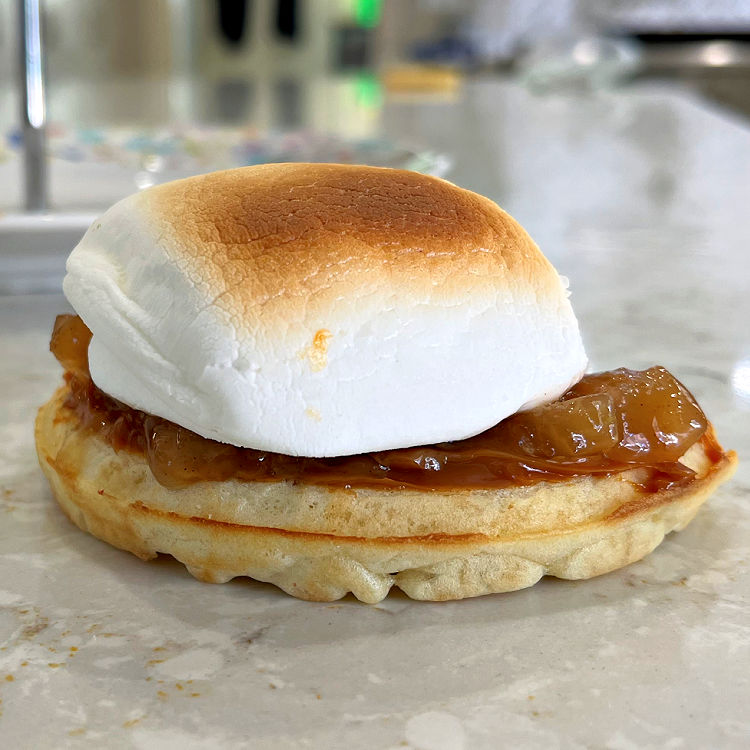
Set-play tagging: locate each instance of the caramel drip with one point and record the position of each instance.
(607, 423)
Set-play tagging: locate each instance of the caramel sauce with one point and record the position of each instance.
(607, 423)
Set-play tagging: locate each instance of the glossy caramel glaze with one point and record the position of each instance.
(607, 423)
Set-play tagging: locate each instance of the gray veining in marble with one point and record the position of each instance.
(641, 198)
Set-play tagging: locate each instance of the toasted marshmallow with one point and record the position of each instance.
(322, 310)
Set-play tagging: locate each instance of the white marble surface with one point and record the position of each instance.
(641, 198)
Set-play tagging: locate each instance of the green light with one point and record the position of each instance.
(367, 12)
(367, 91)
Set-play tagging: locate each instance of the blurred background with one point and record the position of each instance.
(102, 98)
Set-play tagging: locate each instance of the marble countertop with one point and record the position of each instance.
(641, 198)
